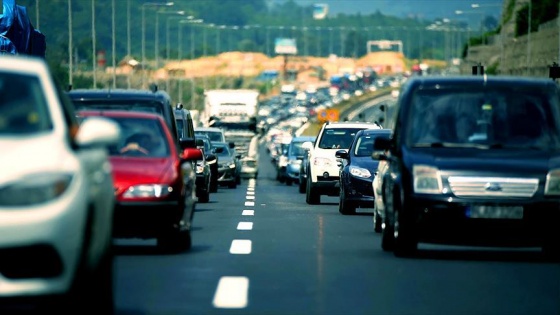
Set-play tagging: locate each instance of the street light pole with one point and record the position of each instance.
(93, 45)
(114, 50)
(147, 4)
(70, 54)
(128, 38)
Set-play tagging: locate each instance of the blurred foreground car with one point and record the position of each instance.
(154, 184)
(473, 160)
(56, 196)
(358, 171)
(379, 207)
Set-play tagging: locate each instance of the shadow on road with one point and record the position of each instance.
(490, 254)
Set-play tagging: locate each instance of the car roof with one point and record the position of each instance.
(208, 129)
(120, 113)
(118, 94)
(352, 124)
(375, 131)
(480, 80)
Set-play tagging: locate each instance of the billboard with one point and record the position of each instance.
(320, 11)
(285, 46)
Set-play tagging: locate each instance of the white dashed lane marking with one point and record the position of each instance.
(245, 226)
(250, 193)
(240, 247)
(250, 197)
(248, 212)
(249, 203)
(232, 292)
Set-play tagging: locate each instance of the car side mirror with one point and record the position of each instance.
(191, 154)
(381, 144)
(231, 145)
(187, 143)
(341, 154)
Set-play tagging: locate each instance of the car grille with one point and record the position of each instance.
(463, 186)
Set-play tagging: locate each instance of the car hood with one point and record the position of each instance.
(130, 171)
(494, 160)
(30, 156)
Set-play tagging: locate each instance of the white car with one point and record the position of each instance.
(56, 195)
(323, 170)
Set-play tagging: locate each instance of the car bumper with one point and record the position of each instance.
(360, 191)
(497, 223)
(40, 245)
(292, 171)
(226, 175)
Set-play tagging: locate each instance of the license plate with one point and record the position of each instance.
(495, 212)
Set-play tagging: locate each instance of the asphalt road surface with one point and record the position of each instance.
(260, 249)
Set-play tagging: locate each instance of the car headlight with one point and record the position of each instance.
(359, 172)
(552, 186)
(148, 191)
(211, 161)
(319, 161)
(34, 189)
(231, 165)
(427, 179)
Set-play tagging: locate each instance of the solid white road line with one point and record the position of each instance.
(249, 203)
(245, 226)
(240, 247)
(232, 292)
(248, 212)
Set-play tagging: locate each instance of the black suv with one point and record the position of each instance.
(473, 160)
(152, 101)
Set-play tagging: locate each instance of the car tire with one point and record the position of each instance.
(289, 182)
(311, 195)
(406, 242)
(302, 186)
(204, 196)
(238, 180)
(387, 233)
(344, 206)
(175, 241)
(232, 184)
(551, 249)
(214, 185)
(377, 222)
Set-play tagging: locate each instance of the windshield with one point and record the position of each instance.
(496, 117)
(214, 136)
(23, 110)
(109, 104)
(140, 138)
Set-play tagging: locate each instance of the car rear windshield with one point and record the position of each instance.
(483, 116)
(23, 108)
(140, 137)
(110, 104)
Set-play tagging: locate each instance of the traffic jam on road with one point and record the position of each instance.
(361, 188)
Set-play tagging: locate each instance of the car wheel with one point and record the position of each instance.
(551, 249)
(238, 179)
(311, 195)
(406, 243)
(377, 224)
(387, 233)
(175, 241)
(232, 184)
(302, 186)
(204, 196)
(344, 206)
(214, 184)
(289, 181)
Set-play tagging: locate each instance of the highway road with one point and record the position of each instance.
(260, 249)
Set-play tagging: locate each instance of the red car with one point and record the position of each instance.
(154, 182)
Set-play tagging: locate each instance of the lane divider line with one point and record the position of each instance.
(251, 193)
(249, 203)
(241, 247)
(232, 292)
(250, 197)
(246, 226)
(248, 212)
